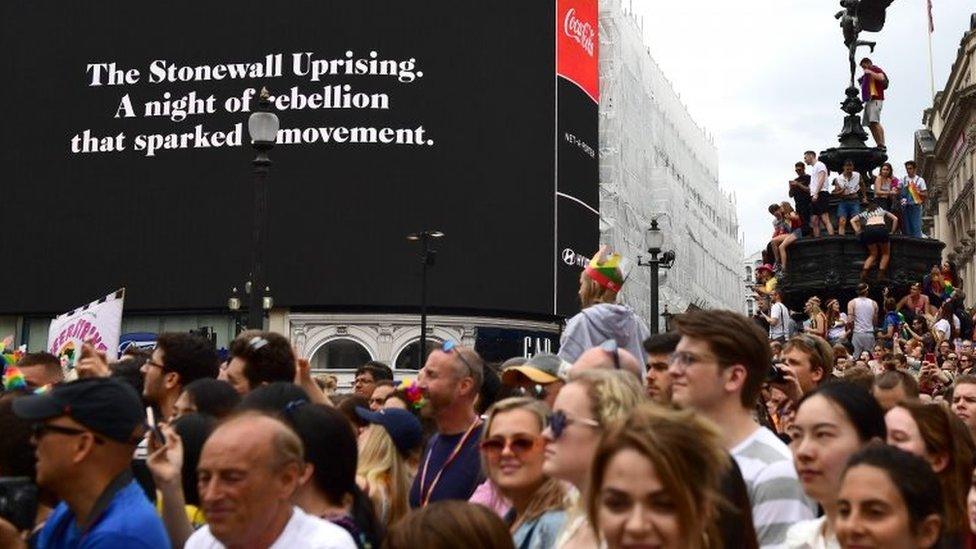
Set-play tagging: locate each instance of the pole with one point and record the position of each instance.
(255, 312)
(931, 70)
(422, 349)
(655, 265)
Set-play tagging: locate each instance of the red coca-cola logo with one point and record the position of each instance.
(581, 31)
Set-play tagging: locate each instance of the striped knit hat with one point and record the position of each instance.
(606, 272)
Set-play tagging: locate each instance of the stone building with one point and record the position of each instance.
(945, 151)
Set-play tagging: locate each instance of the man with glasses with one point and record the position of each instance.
(451, 464)
(368, 375)
(177, 360)
(718, 369)
(85, 433)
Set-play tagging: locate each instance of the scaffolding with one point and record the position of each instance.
(657, 163)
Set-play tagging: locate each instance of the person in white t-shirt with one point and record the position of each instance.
(819, 194)
(778, 319)
(718, 369)
(249, 469)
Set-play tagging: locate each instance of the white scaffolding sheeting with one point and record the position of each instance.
(657, 163)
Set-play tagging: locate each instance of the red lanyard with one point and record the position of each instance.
(426, 493)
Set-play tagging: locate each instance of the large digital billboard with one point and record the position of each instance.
(127, 160)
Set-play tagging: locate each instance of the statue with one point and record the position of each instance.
(856, 16)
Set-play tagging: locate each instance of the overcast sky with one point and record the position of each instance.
(766, 79)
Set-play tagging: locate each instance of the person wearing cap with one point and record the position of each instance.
(767, 281)
(539, 377)
(386, 449)
(601, 316)
(85, 434)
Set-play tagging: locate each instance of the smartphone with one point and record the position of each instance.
(154, 427)
(775, 374)
(18, 501)
(930, 357)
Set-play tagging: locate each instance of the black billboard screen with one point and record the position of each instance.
(127, 156)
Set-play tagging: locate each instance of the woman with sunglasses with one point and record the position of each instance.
(656, 481)
(513, 453)
(592, 402)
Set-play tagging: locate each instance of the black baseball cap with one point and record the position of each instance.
(104, 405)
(402, 426)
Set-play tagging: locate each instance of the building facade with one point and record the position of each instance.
(945, 151)
(657, 163)
(749, 266)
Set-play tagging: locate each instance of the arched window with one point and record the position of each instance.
(407, 359)
(340, 353)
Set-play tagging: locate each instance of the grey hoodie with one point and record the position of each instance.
(598, 323)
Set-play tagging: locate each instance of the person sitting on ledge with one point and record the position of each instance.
(781, 230)
(794, 225)
(847, 186)
(874, 234)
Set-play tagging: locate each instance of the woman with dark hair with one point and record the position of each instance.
(935, 434)
(207, 396)
(944, 328)
(831, 424)
(174, 471)
(450, 524)
(329, 488)
(888, 498)
(935, 287)
(886, 191)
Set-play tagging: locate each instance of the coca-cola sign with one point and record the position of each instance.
(580, 31)
(578, 44)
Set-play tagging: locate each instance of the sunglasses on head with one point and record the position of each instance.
(450, 346)
(558, 421)
(611, 347)
(519, 445)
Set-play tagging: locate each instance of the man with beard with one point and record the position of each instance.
(451, 466)
(177, 360)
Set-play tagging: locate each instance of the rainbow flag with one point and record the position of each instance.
(13, 378)
(912, 192)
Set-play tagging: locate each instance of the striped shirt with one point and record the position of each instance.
(774, 491)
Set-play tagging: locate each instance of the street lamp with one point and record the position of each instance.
(654, 241)
(427, 258)
(262, 126)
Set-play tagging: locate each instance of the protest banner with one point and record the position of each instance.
(98, 323)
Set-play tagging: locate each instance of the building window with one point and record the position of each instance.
(407, 357)
(751, 307)
(339, 354)
(748, 273)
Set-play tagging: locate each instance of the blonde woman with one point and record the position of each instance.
(384, 448)
(513, 451)
(656, 481)
(591, 403)
(818, 319)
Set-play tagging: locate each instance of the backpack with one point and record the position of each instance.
(884, 85)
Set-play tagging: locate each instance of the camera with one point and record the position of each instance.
(775, 373)
(18, 501)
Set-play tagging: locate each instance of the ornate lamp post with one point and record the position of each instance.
(263, 129)
(654, 241)
(427, 258)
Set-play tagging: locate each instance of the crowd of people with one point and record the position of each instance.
(873, 210)
(716, 434)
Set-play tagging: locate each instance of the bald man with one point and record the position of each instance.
(249, 469)
(608, 357)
